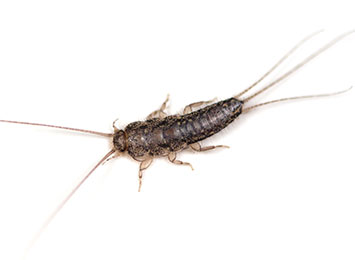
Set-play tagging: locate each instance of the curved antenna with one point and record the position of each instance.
(247, 109)
(279, 62)
(60, 127)
(61, 205)
(299, 65)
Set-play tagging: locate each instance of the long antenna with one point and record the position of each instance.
(279, 62)
(60, 127)
(61, 205)
(299, 65)
(247, 109)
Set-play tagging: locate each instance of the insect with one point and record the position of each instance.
(162, 135)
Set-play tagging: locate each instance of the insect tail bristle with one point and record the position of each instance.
(299, 65)
(247, 109)
(299, 44)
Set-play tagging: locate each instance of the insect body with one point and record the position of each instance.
(162, 135)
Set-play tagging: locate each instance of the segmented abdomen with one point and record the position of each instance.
(157, 137)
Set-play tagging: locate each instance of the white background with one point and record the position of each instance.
(285, 189)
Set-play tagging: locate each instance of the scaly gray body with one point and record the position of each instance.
(161, 136)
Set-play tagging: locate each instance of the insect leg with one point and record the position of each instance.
(188, 108)
(160, 112)
(197, 147)
(172, 158)
(114, 125)
(143, 166)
